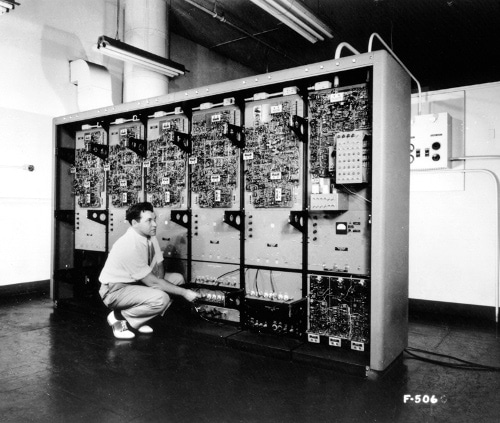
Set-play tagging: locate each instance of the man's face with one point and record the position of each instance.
(146, 226)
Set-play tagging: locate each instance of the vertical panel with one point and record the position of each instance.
(125, 174)
(391, 135)
(273, 182)
(215, 186)
(167, 184)
(89, 189)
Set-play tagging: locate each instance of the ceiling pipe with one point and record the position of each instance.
(222, 19)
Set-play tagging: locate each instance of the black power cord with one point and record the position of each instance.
(461, 364)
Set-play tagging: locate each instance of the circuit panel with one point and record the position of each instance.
(214, 159)
(272, 153)
(125, 175)
(166, 163)
(340, 142)
(125, 172)
(215, 184)
(165, 171)
(89, 189)
(89, 183)
(331, 111)
(339, 311)
(273, 181)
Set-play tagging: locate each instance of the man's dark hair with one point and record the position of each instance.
(134, 212)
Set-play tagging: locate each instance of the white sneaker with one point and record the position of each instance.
(145, 329)
(120, 329)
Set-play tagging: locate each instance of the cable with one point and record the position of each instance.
(355, 193)
(273, 287)
(256, 285)
(466, 365)
(227, 273)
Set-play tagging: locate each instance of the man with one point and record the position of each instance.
(133, 280)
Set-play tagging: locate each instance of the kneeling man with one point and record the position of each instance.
(134, 284)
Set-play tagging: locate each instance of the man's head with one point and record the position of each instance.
(142, 218)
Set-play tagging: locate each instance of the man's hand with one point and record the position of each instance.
(191, 295)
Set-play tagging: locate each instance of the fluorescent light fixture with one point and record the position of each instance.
(7, 5)
(298, 17)
(127, 53)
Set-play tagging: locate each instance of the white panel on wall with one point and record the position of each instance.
(451, 103)
(25, 246)
(453, 249)
(454, 234)
(25, 197)
(483, 120)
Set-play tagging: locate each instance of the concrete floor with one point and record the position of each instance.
(59, 366)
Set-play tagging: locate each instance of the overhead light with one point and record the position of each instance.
(298, 17)
(127, 53)
(7, 5)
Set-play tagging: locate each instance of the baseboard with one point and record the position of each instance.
(28, 288)
(422, 309)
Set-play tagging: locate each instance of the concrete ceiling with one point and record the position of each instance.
(444, 43)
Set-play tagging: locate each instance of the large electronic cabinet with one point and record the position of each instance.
(283, 199)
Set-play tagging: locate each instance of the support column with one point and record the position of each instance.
(146, 27)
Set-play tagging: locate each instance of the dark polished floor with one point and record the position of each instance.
(59, 366)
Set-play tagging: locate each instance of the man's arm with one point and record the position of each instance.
(160, 270)
(154, 282)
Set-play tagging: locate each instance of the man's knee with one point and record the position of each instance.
(174, 278)
(161, 301)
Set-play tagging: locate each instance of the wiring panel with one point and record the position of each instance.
(214, 159)
(340, 144)
(89, 183)
(125, 173)
(332, 111)
(272, 153)
(215, 172)
(89, 188)
(165, 171)
(273, 181)
(338, 310)
(166, 164)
